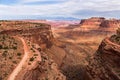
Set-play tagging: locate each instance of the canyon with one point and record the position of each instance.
(60, 50)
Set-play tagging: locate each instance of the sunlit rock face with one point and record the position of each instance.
(105, 62)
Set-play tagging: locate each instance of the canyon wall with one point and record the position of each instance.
(41, 35)
(36, 32)
(110, 25)
(96, 21)
(100, 23)
(104, 65)
(91, 23)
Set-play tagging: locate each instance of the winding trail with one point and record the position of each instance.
(20, 65)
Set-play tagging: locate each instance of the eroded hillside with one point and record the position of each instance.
(28, 61)
(11, 53)
(105, 63)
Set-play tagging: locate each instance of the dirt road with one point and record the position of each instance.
(20, 65)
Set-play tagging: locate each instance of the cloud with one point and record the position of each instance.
(67, 8)
(40, 1)
(29, 1)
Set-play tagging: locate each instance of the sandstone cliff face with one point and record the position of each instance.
(96, 21)
(36, 32)
(105, 63)
(91, 23)
(99, 23)
(110, 25)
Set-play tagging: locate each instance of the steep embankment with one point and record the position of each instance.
(36, 37)
(105, 63)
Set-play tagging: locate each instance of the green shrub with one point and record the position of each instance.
(19, 54)
(14, 62)
(15, 47)
(1, 47)
(6, 47)
(10, 57)
(35, 54)
(118, 31)
(31, 59)
(4, 54)
(32, 49)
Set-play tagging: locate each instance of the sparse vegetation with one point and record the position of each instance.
(15, 47)
(118, 32)
(35, 54)
(1, 47)
(19, 54)
(9, 51)
(31, 59)
(4, 54)
(10, 57)
(14, 62)
(116, 38)
(32, 49)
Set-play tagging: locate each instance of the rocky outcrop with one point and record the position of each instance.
(96, 21)
(36, 32)
(105, 63)
(44, 70)
(110, 25)
(91, 23)
(41, 35)
(99, 23)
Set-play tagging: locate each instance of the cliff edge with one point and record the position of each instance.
(104, 65)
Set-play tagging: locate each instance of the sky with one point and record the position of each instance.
(72, 9)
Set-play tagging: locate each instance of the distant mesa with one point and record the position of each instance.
(100, 23)
(92, 21)
(111, 24)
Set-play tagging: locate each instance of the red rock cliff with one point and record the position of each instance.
(99, 23)
(110, 25)
(105, 65)
(36, 32)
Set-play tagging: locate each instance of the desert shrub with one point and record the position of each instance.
(118, 32)
(39, 49)
(19, 54)
(14, 62)
(15, 43)
(6, 47)
(31, 59)
(14, 47)
(116, 38)
(1, 47)
(35, 54)
(10, 57)
(3, 37)
(32, 49)
(19, 58)
(5, 74)
(4, 54)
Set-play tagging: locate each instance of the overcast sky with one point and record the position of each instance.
(59, 8)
